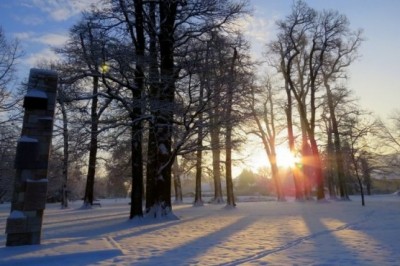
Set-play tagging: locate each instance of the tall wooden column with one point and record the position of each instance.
(24, 225)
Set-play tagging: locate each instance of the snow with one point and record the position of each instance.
(254, 233)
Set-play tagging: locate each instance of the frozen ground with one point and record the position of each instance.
(254, 233)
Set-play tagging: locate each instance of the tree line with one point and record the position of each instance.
(152, 90)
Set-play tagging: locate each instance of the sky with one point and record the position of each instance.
(373, 77)
(39, 24)
(258, 231)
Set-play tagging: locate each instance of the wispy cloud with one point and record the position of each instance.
(257, 28)
(61, 10)
(45, 55)
(258, 31)
(23, 36)
(52, 39)
(30, 19)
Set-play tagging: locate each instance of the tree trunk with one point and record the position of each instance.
(230, 201)
(276, 179)
(216, 163)
(331, 165)
(136, 209)
(338, 149)
(315, 158)
(161, 202)
(307, 171)
(361, 189)
(154, 80)
(317, 169)
(198, 201)
(177, 182)
(151, 170)
(89, 191)
(295, 172)
(64, 187)
(136, 127)
(268, 139)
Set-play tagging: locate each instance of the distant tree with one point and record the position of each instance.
(10, 111)
(9, 53)
(358, 127)
(8, 140)
(63, 100)
(177, 172)
(265, 114)
(342, 53)
(82, 67)
(118, 167)
(246, 182)
(366, 170)
(389, 137)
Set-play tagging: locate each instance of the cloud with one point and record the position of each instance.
(61, 10)
(30, 19)
(45, 55)
(257, 28)
(52, 39)
(258, 31)
(23, 36)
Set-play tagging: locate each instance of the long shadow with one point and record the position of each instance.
(87, 227)
(315, 228)
(93, 227)
(184, 254)
(80, 223)
(73, 259)
(163, 224)
(89, 230)
(99, 230)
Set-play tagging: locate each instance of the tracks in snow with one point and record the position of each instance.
(295, 242)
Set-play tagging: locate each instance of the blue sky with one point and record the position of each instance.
(373, 77)
(41, 23)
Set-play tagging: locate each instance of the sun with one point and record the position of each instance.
(258, 159)
(285, 158)
(104, 68)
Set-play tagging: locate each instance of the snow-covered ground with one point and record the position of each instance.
(254, 233)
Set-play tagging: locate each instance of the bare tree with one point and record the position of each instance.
(153, 36)
(177, 27)
(315, 48)
(84, 58)
(342, 52)
(9, 54)
(359, 127)
(290, 47)
(10, 110)
(390, 133)
(266, 120)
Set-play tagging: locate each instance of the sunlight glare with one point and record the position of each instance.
(285, 158)
(104, 68)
